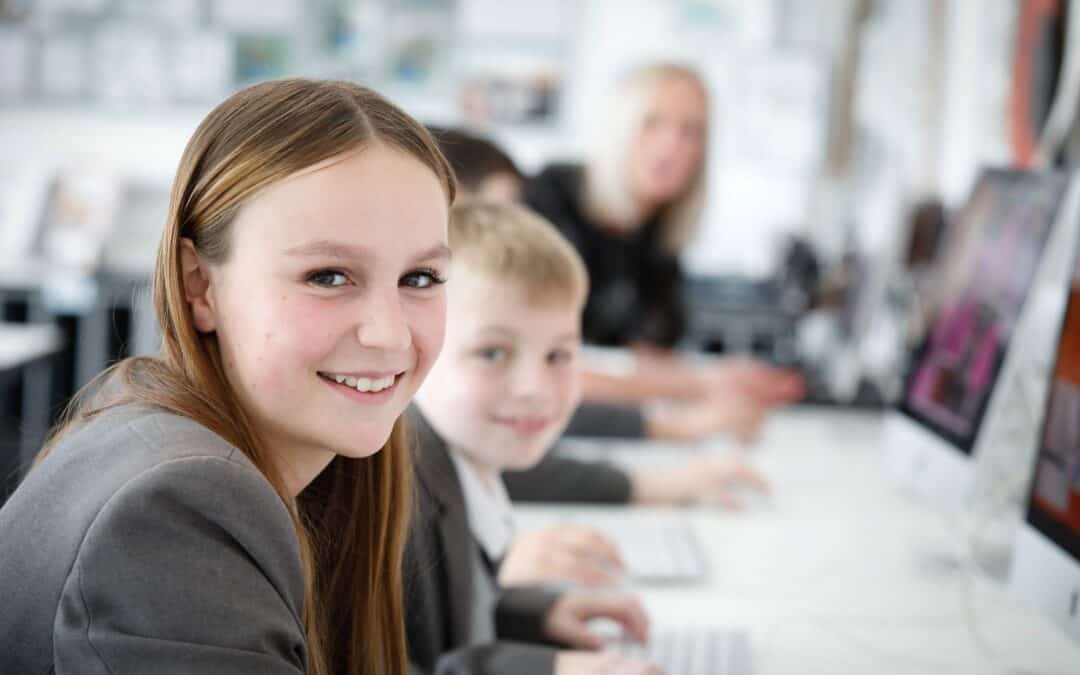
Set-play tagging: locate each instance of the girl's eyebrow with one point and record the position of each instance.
(329, 248)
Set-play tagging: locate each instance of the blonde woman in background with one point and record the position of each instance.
(630, 211)
(239, 503)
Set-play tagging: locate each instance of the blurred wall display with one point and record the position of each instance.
(201, 65)
(62, 67)
(260, 57)
(131, 64)
(15, 55)
(78, 218)
(418, 45)
(501, 60)
(512, 54)
(264, 16)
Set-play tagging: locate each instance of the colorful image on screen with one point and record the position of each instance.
(986, 272)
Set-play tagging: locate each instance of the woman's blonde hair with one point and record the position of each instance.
(607, 197)
(514, 245)
(352, 520)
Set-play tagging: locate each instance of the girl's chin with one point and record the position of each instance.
(360, 449)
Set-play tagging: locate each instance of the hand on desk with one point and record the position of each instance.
(567, 622)
(740, 416)
(732, 396)
(712, 479)
(561, 554)
(602, 663)
(747, 377)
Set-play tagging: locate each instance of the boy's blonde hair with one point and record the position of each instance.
(512, 243)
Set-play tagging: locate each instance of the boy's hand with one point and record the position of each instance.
(561, 554)
(601, 663)
(567, 621)
(705, 480)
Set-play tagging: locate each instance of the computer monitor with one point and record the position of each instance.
(1046, 560)
(991, 262)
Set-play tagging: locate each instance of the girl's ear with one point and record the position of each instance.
(196, 276)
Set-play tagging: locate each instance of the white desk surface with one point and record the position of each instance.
(22, 343)
(830, 574)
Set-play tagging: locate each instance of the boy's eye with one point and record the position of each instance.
(422, 279)
(493, 354)
(327, 278)
(560, 356)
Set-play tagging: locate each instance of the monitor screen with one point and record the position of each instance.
(1054, 506)
(983, 277)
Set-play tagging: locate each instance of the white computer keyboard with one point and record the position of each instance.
(657, 551)
(694, 651)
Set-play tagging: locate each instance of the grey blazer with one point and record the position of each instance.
(607, 421)
(564, 479)
(438, 582)
(146, 543)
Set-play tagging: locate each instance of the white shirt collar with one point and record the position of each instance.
(490, 514)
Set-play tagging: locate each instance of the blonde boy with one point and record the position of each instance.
(500, 394)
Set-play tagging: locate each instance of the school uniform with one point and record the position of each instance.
(458, 620)
(146, 543)
(557, 479)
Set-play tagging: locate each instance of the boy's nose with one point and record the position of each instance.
(531, 380)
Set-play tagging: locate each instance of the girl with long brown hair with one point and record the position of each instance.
(239, 503)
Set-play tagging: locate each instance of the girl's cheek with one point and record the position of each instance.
(308, 327)
(428, 328)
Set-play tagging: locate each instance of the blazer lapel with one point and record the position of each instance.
(436, 472)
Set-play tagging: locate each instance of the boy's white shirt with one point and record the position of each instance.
(490, 514)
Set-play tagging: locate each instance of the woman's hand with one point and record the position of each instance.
(561, 554)
(738, 415)
(567, 621)
(712, 479)
(602, 663)
(771, 386)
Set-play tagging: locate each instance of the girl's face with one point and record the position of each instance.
(330, 308)
(671, 143)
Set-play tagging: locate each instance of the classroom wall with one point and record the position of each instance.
(769, 66)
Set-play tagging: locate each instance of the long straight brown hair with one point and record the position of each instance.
(351, 521)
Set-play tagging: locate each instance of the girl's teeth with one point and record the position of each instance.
(364, 384)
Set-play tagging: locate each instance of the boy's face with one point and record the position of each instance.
(507, 380)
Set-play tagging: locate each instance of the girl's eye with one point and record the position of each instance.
(327, 278)
(422, 279)
(493, 354)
